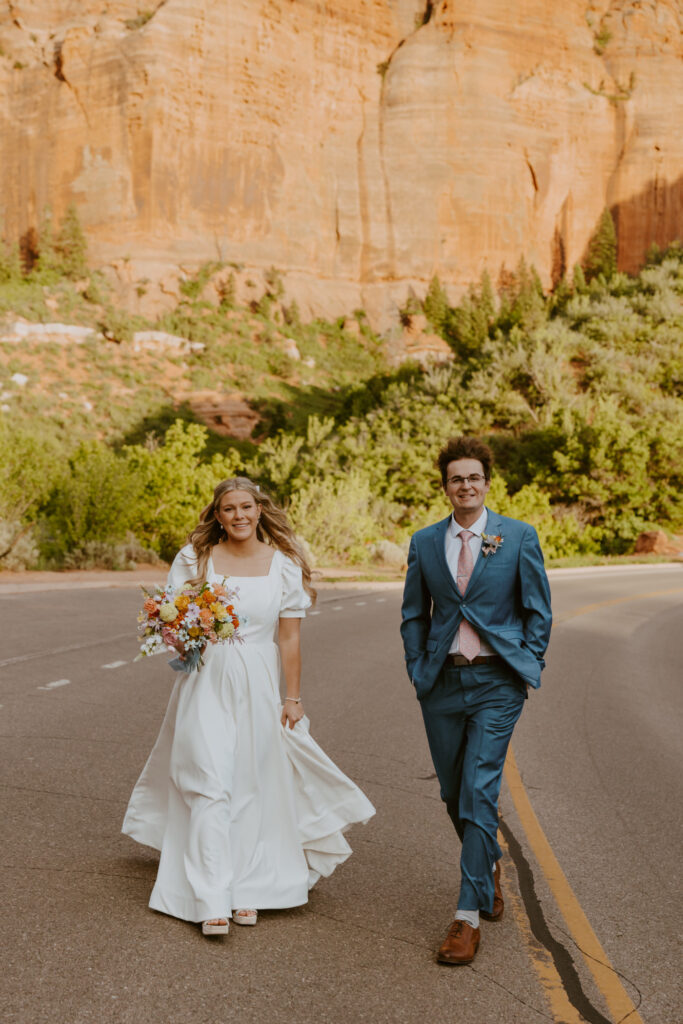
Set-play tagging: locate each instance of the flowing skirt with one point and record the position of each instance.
(244, 812)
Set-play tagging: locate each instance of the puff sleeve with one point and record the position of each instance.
(295, 600)
(184, 567)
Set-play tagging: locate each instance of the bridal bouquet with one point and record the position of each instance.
(186, 620)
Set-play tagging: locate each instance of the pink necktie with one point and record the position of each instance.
(470, 644)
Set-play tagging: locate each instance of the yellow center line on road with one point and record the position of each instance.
(560, 1006)
(606, 977)
(586, 608)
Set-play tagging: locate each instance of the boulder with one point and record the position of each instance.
(656, 542)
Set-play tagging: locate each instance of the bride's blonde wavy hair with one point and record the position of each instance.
(273, 528)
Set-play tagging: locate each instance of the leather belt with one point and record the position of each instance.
(481, 659)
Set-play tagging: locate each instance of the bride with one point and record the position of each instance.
(246, 809)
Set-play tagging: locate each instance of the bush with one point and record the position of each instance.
(95, 501)
(336, 517)
(18, 547)
(174, 482)
(107, 555)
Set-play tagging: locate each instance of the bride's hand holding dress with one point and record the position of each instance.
(244, 807)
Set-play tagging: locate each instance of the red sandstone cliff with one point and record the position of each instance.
(360, 146)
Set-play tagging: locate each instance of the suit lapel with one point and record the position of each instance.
(493, 523)
(440, 555)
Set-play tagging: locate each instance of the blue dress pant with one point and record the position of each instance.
(469, 717)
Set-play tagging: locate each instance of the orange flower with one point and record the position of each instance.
(219, 590)
(205, 616)
(151, 607)
(182, 602)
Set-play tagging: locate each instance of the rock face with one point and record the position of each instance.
(360, 147)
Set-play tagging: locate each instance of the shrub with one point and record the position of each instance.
(108, 555)
(95, 501)
(335, 517)
(18, 547)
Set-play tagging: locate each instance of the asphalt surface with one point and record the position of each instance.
(598, 750)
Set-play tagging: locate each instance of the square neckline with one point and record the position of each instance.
(232, 576)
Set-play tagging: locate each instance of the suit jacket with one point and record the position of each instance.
(507, 601)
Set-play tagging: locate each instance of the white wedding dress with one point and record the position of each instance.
(246, 813)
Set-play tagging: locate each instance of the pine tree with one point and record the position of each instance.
(47, 263)
(579, 279)
(71, 246)
(601, 256)
(436, 304)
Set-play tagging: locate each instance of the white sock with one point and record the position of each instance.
(470, 916)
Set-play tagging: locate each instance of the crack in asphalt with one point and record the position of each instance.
(66, 650)
(56, 792)
(73, 871)
(423, 946)
(609, 967)
(61, 739)
(514, 995)
(561, 957)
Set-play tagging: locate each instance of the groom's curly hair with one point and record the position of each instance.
(464, 448)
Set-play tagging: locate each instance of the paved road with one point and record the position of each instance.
(597, 751)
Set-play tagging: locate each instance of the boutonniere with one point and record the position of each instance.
(490, 542)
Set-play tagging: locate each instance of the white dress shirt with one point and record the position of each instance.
(453, 546)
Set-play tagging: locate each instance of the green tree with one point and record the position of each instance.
(579, 279)
(47, 266)
(29, 469)
(71, 246)
(174, 480)
(436, 303)
(95, 500)
(601, 255)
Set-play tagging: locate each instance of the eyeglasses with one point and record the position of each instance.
(474, 478)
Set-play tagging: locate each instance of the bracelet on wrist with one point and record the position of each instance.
(296, 700)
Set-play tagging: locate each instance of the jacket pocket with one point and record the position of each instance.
(431, 645)
(509, 632)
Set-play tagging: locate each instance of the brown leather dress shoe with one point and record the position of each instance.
(498, 904)
(460, 945)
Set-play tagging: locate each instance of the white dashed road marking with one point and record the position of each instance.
(53, 686)
(361, 602)
(314, 613)
(114, 664)
(337, 607)
(380, 599)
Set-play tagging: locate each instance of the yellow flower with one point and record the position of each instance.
(220, 611)
(168, 612)
(182, 602)
(224, 630)
(195, 631)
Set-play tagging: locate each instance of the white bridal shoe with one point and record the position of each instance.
(244, 916)
(216, 926)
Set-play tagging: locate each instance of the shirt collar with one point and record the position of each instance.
(476, 528)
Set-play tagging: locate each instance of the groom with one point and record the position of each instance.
(476, 623)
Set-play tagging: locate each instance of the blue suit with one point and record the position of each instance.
(470, 711)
